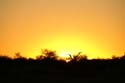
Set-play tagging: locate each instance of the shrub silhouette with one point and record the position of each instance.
(40, 57)
(118, 57)
(78, 57)
(123, 57)
(4, 58)
(18, 55)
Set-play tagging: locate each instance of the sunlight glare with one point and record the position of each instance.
(65, 54)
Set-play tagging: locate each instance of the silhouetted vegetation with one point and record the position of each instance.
(48, 68)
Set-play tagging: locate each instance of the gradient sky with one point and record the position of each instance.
(95, 27)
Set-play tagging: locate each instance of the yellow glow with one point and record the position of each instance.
(73, 45)
(93, 27)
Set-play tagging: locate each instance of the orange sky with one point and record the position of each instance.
(95, 27)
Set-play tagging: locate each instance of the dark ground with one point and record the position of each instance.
(50, 70)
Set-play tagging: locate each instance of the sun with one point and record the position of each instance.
(65, 54)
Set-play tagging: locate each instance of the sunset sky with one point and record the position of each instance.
(93, 27)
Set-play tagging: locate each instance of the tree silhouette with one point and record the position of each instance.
(18, 55)
(47, 54)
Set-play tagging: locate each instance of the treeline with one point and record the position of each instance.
(49, 54)
(47, 67)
